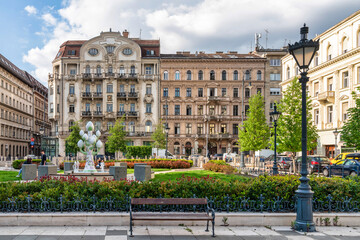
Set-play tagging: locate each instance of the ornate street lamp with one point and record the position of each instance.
(303, 52)
(275, 116)
(167, 129)
(336, 133)
(41, 131)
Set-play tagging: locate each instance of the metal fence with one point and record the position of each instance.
(224, 204)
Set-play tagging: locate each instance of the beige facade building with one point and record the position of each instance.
(202, 98)
(273, 76)
(16, 106)
(334, 74)
(103, 79)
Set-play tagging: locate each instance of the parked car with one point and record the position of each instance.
(351, 167)
(217, 155)
(31, 156)
(342, 156)
(315, 163)
(283, 162)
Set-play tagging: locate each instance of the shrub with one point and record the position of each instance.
(18, 163)
(138, 151)
(219, 167)
(219, 162)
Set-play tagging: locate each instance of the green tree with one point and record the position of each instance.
(289, 122)
(254, 133)
(159, 136)
(350, 133)
(116, 141)
(72, 140)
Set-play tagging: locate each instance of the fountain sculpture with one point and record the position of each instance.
(90, 146)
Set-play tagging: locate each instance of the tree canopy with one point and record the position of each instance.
(159, 136)
(116, 141)
(254, 133)
(72, 140)
(350, 133)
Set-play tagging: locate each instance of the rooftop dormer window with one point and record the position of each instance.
(71, 52)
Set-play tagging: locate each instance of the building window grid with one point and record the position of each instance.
(188, 128)
(200, 92)
(188, 92)
(223, 92)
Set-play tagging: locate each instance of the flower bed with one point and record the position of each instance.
(154, 163)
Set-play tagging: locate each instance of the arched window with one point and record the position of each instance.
(132, 70)
(176, 148)
(236, 75)
(71, 123)
(110, 69)
(258, 75)
(201, 75)
(247, 75)
(188, 75)
(98, 69)
(177, 75)
(329, 52)
(148, 126)
(166, 75)
(288, 72)
(223, 75)
(212, 75)
(132, 127)
(110, 125)
(122, 70)
(345, 45)
(87, 69)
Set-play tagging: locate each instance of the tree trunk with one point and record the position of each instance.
(293, 155)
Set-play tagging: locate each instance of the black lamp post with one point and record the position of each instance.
(41, 131)
(275, 115)
(336, 133)
(303, 52)
(167, 133)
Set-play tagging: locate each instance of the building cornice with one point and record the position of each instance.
(335, 60)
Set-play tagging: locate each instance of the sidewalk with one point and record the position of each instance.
(174, 232)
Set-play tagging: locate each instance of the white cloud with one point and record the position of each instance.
(31, 10)
(185, 24)
(49, 19)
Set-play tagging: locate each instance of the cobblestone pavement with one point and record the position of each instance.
(173, 232)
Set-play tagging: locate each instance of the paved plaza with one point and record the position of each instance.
(173, 232)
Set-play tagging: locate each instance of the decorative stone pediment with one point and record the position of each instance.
(316, 104)
(148, 99)
(344, 97)
(71, 98)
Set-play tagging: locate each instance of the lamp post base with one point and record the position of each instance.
(242, 160)
(304, 217)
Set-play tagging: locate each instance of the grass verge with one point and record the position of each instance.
(172, 176)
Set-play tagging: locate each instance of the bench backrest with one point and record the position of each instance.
(168, 201)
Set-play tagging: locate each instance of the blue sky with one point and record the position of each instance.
(32, 31)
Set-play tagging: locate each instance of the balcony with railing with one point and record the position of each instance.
(97, 95)
(97, 114)
(86, 76)
(121, 113)
(86, 94)
(132, 95)
(121, 95)
(325, 97)
(86, 113)
(109, 74)
(98, 76)
(132, 114)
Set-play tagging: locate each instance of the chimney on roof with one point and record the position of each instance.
(125, 33)
(217, 52)
(186, 52)
(179, 52)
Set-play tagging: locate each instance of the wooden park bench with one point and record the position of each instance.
(207, 215)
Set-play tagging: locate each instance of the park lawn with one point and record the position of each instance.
(9, 176)
(131, 170)
(198, 174)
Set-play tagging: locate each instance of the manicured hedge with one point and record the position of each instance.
(138, 151)
(270, 187)
(18, 163)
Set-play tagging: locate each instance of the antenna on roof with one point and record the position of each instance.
(110, 29)
(140, 34)
(266, 38)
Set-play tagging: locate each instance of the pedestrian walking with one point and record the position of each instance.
(43, 158)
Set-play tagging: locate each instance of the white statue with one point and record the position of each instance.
(88, 144)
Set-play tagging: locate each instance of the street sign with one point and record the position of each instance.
(32, 139)
(32, 143)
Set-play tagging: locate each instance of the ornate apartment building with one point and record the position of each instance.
(103, 79)
(273, 76)
(204, 96)
(16, 107)
(41, 124)
(334, 74)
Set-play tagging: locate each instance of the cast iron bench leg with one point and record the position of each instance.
(131, 231)
(213, 228)
(207, 226)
